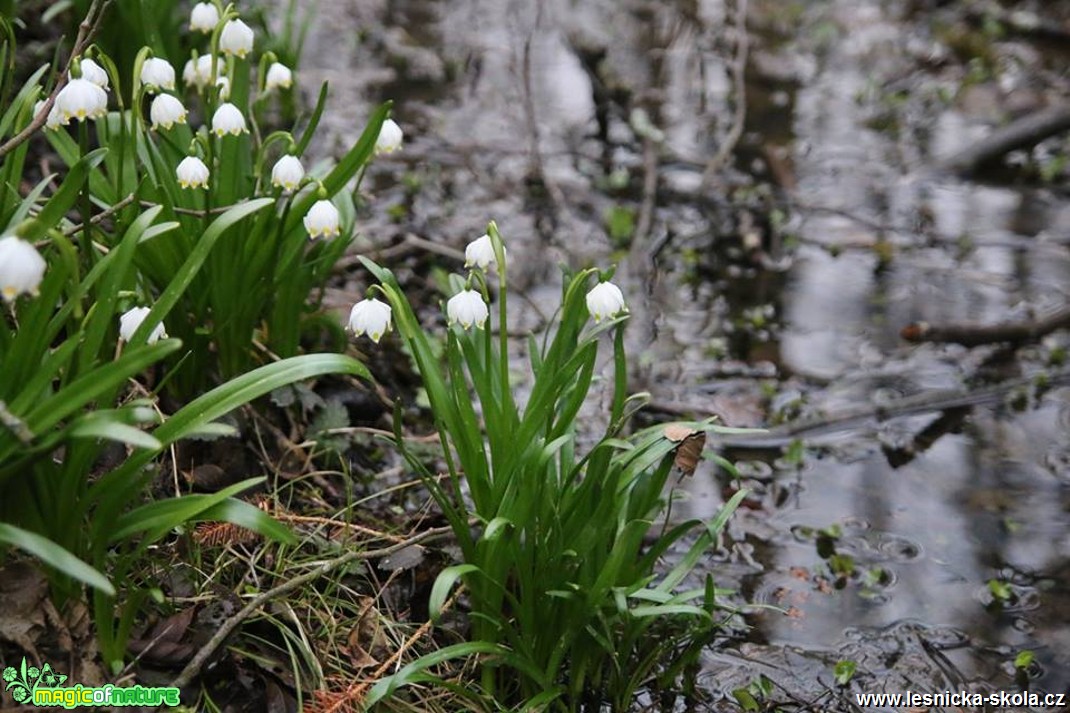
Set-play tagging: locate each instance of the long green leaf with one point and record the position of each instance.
(54, 556)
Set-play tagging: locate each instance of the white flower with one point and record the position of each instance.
(371, 317)
(287, 173)
(228, 119)
(80, 99)
(223, 85)
(21, 268)
(605, 300)
(166, 111)
(132, 319)
(204, 17)
(157, 74)
(389, 139)
(54, 120)
(468, 308)
(199, 72)
(480, 252)
(93, 72)
(322, 219)
(278, 76)
(192, 173)
(236, 38)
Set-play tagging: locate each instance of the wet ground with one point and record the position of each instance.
(771, 287)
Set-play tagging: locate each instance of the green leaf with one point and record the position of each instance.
(1024, 659)
(444, 583)
(409, 673)
(90, 427)
(845, 671)
(250, 517)
(54, 556)
(161, 516)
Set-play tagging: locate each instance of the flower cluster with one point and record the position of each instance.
(469, 306)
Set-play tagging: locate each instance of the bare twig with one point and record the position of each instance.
(198, 661)
(972, 335)
(99, 217)
(739, 88)
(87, 29)
(926, 402)
(1023, 133)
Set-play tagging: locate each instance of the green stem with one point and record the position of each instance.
(87, 205)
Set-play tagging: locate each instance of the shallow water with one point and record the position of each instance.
(519, 111)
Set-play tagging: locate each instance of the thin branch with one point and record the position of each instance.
(99, 217)
(87, 29)
(972, 335)
(198, 661)
(739, 81)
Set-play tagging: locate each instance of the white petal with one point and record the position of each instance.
(204, 17)
(132, 319)
(278, 76)
(228, 119)
(605, 300)
(322, 219)
(166, 111)
(480, 253)
(390, 137)
(468, 308)
(192, 173)
(21, 268)
(287, 173)
(236, 38)
(370, 317)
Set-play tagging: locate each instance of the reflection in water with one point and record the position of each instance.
(989, 502)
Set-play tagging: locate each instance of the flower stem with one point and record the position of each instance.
(87, 206)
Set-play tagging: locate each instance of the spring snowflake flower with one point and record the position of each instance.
(203, 18)
(279, 76)
(236, 38)
(166, 111)
(198, 72)
(287, 173)
(468, 308)
(323, 219)
(605, 300)
(192, 173)
(80, 99)
(389, 139)
(132, 319)
(370, 317)
(92, 72)
(21, 270)
(157, 74)
(228, 119)
(480, 253)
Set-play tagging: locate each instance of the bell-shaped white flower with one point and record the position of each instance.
(81, 99)
(389, 139)
(287, 173)
(198, 73)
(370, 317)
(480, 253)
(605, 300)
(132, 319)
(468, 308)
(323, 219)
(55, 119)
(166, 111)
(204, 17)
(236, 38)
(93, 72)
(228, 119)
(278, 76)
(21, 268)
(192, 173)
(157, 74)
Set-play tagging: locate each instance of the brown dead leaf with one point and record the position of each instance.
(167, 643)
